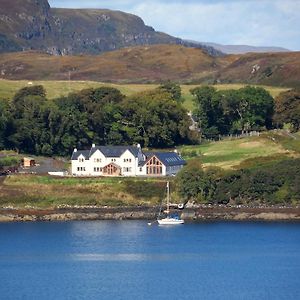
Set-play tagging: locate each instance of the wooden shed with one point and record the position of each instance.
(28, 162)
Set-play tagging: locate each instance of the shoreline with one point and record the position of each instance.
(198, 213)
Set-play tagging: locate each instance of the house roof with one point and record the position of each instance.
(108, 151)
(115, 151)
(85, 154)
(167, 158)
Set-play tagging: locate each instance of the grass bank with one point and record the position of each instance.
(47, 191)
(62, 88)
(231, 153)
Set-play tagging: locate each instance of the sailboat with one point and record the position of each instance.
(169, 220)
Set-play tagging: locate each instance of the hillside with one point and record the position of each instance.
(138, 64)
(277, 69)
(34, 25)
(156, 63)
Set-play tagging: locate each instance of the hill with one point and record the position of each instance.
(277, 69)
(242, 49)
(34, 25)
(136, 64)
(156, 63)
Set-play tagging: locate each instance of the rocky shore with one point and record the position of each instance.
(149, 213)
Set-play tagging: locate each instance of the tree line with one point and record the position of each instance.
(31, 123)
(243, 110)
(273, 184)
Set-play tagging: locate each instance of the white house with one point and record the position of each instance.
(124, 161)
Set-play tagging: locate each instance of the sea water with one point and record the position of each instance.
(131, 260)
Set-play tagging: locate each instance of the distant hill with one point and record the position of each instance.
(135, 64)
(276, 69)
(241, 49)
(33, 25)
(156, 63)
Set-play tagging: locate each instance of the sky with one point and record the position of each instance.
(239, 22)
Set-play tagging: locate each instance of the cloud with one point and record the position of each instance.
(253, 22)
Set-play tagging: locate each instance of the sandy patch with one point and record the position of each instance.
(254, 144)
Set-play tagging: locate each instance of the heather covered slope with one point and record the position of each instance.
(277, 69)
(137, 64)
(156, 63)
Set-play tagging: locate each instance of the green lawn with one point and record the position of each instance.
(230, 153)
(61, 88)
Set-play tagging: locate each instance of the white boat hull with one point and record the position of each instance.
(170, 221)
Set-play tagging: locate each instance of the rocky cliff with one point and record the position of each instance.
(33, 25)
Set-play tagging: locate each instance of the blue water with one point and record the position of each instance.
(130, 260)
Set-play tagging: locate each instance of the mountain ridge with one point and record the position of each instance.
(34, 25)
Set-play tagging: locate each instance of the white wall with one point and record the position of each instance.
(83, 166)
(128, 163)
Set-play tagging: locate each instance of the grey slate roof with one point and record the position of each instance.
(167, 158)
(85, 153)
(108, 151)
(115, 151)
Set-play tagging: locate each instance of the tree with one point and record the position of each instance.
(223, 112)
(17, 102)
(259, 108)
(193, 183)
(202, 100)
(287, 109)
(4, 122)
(173, 89)
(154, 119)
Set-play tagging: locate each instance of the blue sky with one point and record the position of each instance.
(251, 22)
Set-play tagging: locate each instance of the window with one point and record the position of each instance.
(141, 169)
(126, 169)
(81, 159)
(78, 169)
(113, 159)
(154, 166)
(127, 159)
(97, 160)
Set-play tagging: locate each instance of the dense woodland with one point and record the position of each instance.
(30, 123)
(276, 183)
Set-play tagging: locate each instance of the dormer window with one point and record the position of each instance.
(81, 159)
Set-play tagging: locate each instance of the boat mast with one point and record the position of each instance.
(168, 196)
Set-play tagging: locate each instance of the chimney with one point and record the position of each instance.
(93, 145)
(138, 145)
(175, 150)
(75, 150)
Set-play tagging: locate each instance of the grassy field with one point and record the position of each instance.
(46, 191)
(62, 88)
(230, 154)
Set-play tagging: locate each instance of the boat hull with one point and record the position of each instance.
(170, 221)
